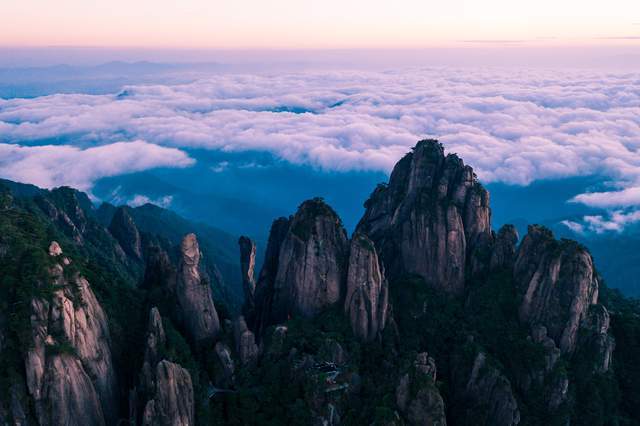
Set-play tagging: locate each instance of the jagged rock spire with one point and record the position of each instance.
(429, 218)
(196, 309)
(247, 266)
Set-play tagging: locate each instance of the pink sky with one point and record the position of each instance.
(316, 24)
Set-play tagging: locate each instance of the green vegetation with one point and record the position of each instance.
(319, 362)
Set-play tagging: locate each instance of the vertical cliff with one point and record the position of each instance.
(558, 285)
(195, 303)
(367, 298)
(69, 367)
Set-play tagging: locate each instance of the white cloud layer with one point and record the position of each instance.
(615, 221)
(55, 165)
(511, 126)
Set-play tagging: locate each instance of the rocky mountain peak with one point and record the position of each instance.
(429, 218)
(311, 262)
(165, 391)
(124, 230)
(558, 285)
(190, 250)
(195, 301)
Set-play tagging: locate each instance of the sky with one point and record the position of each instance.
(316, 23)
(525, 91)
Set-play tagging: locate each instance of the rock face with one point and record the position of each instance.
(55, 249)
(596, 342)
(70, 372)
(173, 402)
(125, 231)
(165, 389)
(245, 342)
(488, 389)
(418, 398)
(266, 282)
(155, 344)
(311, 263)
(504, 249)
(196, 309)
(247, 266)
(557, 283)
(70, 394)
(225, 373)
(429, 218)
(367, 299)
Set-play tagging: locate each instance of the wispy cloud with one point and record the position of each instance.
(139, 200)
(613, 222)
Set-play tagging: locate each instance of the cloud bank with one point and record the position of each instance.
(512, 126)
(55, 165)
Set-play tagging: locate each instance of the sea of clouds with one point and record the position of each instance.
(513, 126)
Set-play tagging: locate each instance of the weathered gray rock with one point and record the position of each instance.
(423, 406)
(70, 363)
(55, 249)
(156, 338)
(247, 266)
(124, 230)
(429, 218)
(596, 343)
(173, 401)
(277, 340)
(195, 303)
(504, 248)
(552, 353)
(557, 283)
(155, 345)
(312, 263)
(367, 300)
(425, 365)
(164, 394)
(559, 392)
(488, 389)
(225, 375)
(265, 287)
(71, 398)
(246, 346)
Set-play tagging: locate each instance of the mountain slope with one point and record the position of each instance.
(424, 316)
